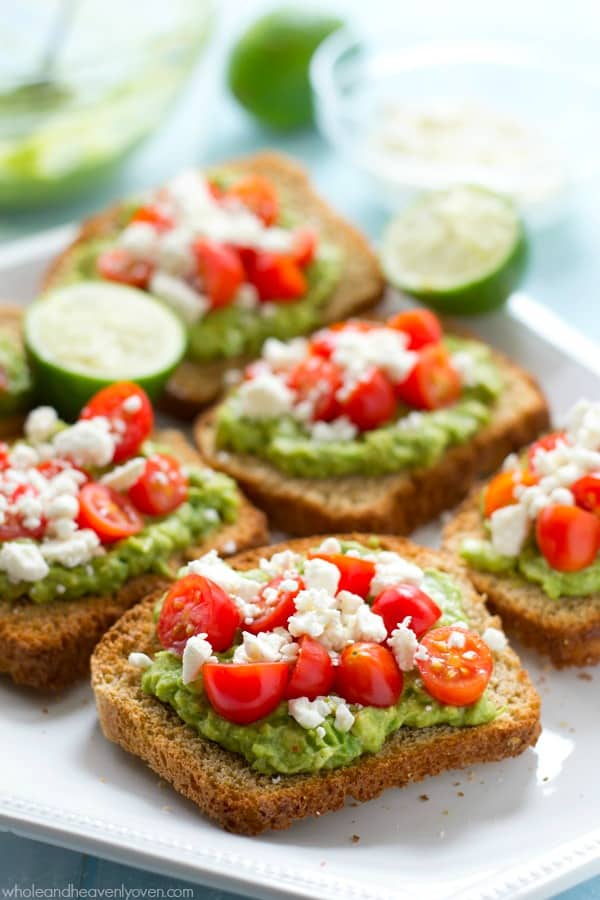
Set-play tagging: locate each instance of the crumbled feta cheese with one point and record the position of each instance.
(404, 645)
(267, 646)
(340, 429)
(76, 550)
(495, 639)
(22, 456)
(40, 424)
(358, 351)
(457, 640)
(240, 586)
(175, 256)
(309, 713)
(265, 397)
(279, 563)
(321, 575)
(284, 354)
(87, 443)
(391, 570)
(368, 625)
(63, 506)
(323, 616)
(330, 545)
(320, 731)
(141, 240)
(188, 303)
(22, 561)
(139, 660)
(509, 528)
(196, 652)
(123, 477)
(344, 717)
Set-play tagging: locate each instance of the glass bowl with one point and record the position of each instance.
(82, 82)
(358, 86)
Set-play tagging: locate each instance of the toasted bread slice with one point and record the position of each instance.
(49, 646)
(194, 385)
(387, 504)
(567, 630)
(10, 322)
(240, 800)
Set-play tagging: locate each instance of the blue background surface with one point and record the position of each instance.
(564, 271)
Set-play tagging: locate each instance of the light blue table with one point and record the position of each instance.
(564, 272)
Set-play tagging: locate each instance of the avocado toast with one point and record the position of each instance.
(370, 424)
(77, 551)
(308, 756)
(333, 272)
(531, 538)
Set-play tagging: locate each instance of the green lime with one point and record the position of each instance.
(268, 68)
(461, 250)
(84, 336)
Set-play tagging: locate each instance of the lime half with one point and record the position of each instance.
(461, 250)
(87, 335)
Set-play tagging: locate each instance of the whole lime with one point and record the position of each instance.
(268, 68)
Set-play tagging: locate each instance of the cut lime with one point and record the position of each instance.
(462, 250)
(87, 335)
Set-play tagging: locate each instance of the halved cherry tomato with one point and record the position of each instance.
(111, 515)
(368, 674)
(153, 215)
(372, 402)
(276, 605)
(586, 491)
(568, 537)
(162, 487)
(245, 692)
(258, 195)
(457, 676)
(4, 456)
(433, 382)
(196, 605)
(50, 468)
(323, 342)
(220, 270)
(395, 603)
(501, 489)
(313, 673)
(316, 381)
(305, 246)
(13, 526)
(356, 574)
(129, 411)
(118, 265)
(275, 276)
(419, 325)
(548, 442)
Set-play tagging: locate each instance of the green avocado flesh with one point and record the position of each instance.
(532, 566)
(16, 386)
(231, 331)
(403, 444)
(277, 744)
(211, 502)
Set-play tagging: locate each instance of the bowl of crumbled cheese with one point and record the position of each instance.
(432, 116)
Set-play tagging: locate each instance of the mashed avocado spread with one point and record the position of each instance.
(532, 566)
(278, 744)
(15, 378)
(211, 501)
(416, 439)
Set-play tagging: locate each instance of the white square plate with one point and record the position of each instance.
(521, 828)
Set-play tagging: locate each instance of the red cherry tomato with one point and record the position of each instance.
(356, 574)
(316, 381)
(587, 493)
(548, 442)
(368, 674)
(50, 468)
(433, 382)
(245, 692)
(258, 195)
(275, 276)
(394, 604)
(372, 402)
(568, 537)
(305, 246)
(4, 454)
(420, 326)
(13, 526)
(323, 342)
(196, 605)
(152, 214)
(456, 676)
(129, 411)
(118, 265)
(111, 515)
(313, 674)
(162, 487)
(220, 270)
(276, 605)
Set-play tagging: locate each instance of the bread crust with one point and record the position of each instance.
(566, 630)
(194, 385)
(242, 801)
(48, 647)
(387, 504)
(11, 317)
